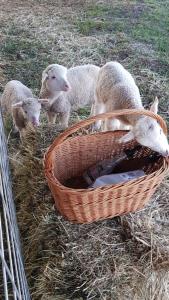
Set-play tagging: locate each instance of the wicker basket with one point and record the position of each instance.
(70, 156)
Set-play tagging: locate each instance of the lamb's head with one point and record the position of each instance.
(148, 132)
(31, 108)
(54, 79)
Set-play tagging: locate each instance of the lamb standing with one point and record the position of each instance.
(18, 100)
(68, 89)
(116, 89)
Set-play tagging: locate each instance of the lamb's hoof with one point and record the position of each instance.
(15, 133)
(15, 130)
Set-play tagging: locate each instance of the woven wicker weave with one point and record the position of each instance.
(69, 156)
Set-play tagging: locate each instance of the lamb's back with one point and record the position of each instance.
(14, 92)
(83, 81)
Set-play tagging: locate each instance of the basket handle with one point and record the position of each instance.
(109, 115)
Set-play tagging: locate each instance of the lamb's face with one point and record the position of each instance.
(148, 133)
(31, 108)
(56, 79)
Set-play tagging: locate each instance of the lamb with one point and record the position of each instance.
(116, 89)
(18, 100)
(67, 90)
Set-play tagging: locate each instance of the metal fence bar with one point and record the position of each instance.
(9, 252)
(13, 274)
(7, 272)
(3, 266)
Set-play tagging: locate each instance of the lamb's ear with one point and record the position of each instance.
(154, 106)
(43, 101)
(127, 137)
(18, 104)
(44, 77)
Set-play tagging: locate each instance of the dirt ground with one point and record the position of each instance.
(122, 258)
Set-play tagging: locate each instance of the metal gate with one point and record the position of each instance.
(13, 283)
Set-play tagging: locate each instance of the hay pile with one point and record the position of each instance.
(122, 258)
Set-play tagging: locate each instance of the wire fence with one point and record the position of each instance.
(13, 283)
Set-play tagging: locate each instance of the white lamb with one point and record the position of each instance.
(18, 100)
(116, 89)
(68, 89)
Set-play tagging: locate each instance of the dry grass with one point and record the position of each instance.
(122, 258)
(118, 259)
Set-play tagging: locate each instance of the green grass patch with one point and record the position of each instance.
(105, 10)
(90, 26)
(26, 56)
(153, 28)
(15, 30)
(85, 111)
(22, 48)
(101, 18)
(146, 23)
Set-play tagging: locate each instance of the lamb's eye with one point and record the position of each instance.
(26, 112)
(53, 77)
(150, 127)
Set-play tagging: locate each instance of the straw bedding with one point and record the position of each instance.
(124, 257)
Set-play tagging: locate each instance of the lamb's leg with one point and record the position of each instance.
(112, 124)
(124, 126)
(51, 117)
(15, 129)
(17, 120)
(22, 135)
(98, 108)
(64, 119)
(92, 110)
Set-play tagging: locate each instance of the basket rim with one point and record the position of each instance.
(49, 172)
(82, 124)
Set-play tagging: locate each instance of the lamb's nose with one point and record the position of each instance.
(35, 122)
(167, 153)
(67, 86)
